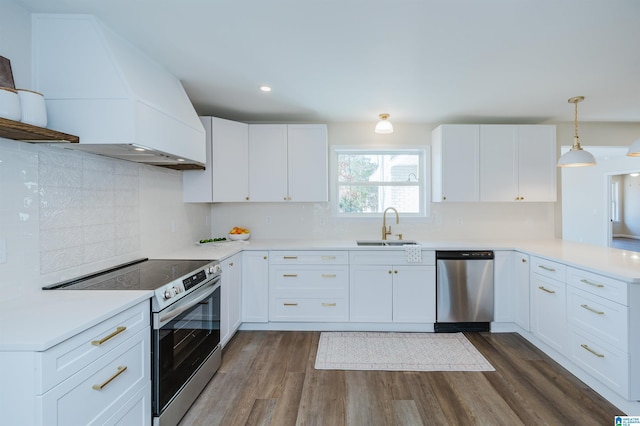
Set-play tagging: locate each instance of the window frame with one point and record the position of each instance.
(424, 187)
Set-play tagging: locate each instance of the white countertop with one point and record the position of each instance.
(42, 319)
(619, 264)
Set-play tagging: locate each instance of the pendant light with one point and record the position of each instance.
(634, 149)
(384, 126)
(576, 156)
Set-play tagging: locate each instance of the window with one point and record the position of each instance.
(367, 181)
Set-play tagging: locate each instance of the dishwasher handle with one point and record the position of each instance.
(465, 255)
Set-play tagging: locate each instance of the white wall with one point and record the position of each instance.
(66, 213)
(447, 221)
(585, 214)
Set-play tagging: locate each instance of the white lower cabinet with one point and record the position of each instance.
(602, 339)
(522, 293)
(230, 297)
(504, 286)
(399, 292)
(548, 312)
(309, 286)
(102, 375)
(255, 286)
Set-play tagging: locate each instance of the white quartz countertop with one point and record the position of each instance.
(40, 320)
(619, 264)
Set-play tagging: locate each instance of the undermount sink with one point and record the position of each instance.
(385, 243)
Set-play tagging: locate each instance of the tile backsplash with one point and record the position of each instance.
(65, 213)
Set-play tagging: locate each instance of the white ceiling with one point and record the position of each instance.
(422, 61)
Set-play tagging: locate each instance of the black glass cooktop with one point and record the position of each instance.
(141, 274)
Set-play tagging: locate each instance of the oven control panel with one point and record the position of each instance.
(178, 287)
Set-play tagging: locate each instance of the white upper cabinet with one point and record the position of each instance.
(454, 157)
(494, 163)
(268, 162)
(517, 163)
(226, 174)
(288, 162)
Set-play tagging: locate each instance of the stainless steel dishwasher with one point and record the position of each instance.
(464, 291)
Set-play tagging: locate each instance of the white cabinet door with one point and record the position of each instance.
(548, 311)
(498, 163)
(503, 286)
(307, 161)
(455, 162)
(230, 168)
(268, 162)
(537, 163)
(230, 297)
(255, 286)
(370, 293)
(414, 294)
(226, 174)
(522, 292)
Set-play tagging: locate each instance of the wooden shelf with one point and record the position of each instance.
(16, 130)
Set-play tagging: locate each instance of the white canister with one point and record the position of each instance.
(9, 104)
(33, 108)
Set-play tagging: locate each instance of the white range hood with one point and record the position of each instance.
(115, 98)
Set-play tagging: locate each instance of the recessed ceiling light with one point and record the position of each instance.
(265, 88)
(180, 159)
(634, 174)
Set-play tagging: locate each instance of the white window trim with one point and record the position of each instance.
(425, 167)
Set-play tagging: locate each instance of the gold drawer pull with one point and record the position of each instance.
(112, 335)
(591, 350)
(328, 258)
(290, 304)
(546, 268)
(290, 275)
(585, 281)
(589, 308)
(546, 289)
(290, 257)
(121, 369)
(328, 275)
(328, 304)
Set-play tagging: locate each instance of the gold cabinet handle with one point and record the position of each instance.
(328, 258)
(231, 264)
(328, 304)
(290, 304)
(264, 257)
(328, 275)
(523, 260)
(546, 289)
(585, 281)
(546, 268)
(586, 347)
(389, 271)
(290, 257)
(395, 271)
(246, 198)
(121, 369)
(290, 275)
(589, 308)
(109, 337)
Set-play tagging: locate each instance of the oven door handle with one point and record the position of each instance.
(195, 298)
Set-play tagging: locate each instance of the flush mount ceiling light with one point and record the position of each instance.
(265, 88)
(634, 149)
(384, 126)
(576, 156)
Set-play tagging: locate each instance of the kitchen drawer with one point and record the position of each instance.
(70, 356)
(601, 360)
(301, 257)
(316, 310)
(134, 412)
(606, 287)
(309, 281)
(80, 400)
(600, 318)
(547, 268)
(389, 257)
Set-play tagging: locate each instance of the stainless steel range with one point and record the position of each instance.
(186, 325)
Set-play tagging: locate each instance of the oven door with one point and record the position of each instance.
(184, 336)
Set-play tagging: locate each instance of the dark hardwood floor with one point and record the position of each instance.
(268, 378)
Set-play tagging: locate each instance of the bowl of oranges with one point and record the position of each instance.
(238, 234)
